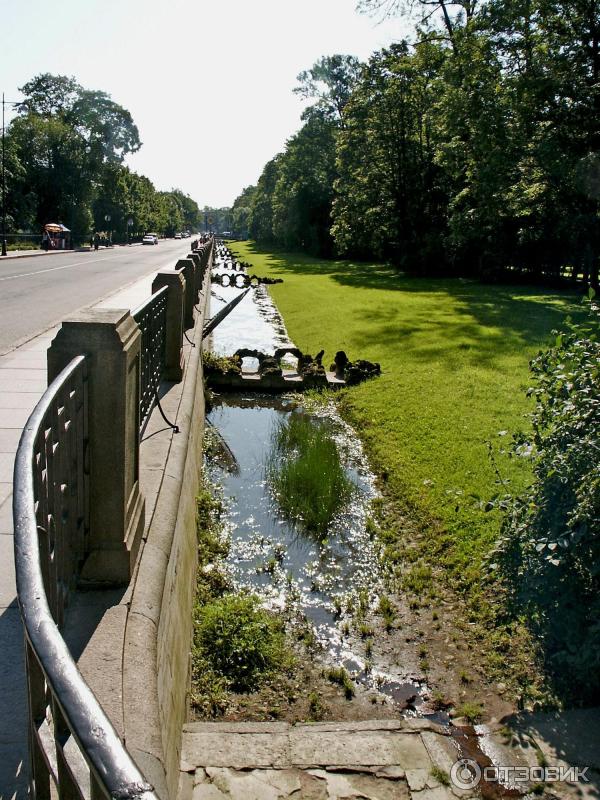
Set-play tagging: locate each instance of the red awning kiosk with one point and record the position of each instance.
(55, 236)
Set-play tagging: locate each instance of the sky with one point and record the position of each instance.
(209, 84)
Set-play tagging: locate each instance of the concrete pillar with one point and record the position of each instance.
(188, 267)
(110, 340)
(199, 274)
(175, 280)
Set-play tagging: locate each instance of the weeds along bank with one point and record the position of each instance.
(454, 356)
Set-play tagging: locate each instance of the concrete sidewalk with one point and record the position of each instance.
(23, 380)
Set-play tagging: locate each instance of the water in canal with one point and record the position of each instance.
(324, 575)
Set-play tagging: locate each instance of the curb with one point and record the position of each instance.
(35, 253)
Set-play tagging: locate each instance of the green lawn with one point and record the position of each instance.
(454, 356)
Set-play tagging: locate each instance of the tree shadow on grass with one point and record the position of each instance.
(505, 316)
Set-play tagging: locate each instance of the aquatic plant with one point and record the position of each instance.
(472, 712)
(365, 631)
(306, 473)
(387, 611)
(316, 709)
(339, 676)
(241, 641)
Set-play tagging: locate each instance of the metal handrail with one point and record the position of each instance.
(61, 704)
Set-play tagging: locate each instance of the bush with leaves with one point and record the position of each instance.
(242, 642)
(549, 551)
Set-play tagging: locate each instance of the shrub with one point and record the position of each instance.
(241, 641)
(214, 363)
(549, 551)
(339, 676)
(306, 473)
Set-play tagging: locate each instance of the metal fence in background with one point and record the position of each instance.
(151, 318)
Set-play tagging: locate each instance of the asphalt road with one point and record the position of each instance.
(38, 292)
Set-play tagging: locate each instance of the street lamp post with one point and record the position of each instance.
(3, 187)
(11, 103)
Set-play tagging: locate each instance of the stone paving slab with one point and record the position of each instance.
(7, 462)
(5, 495)
(9, 440)
(41, 343)
(14, 418)
(6, 521)
(372, 760)
(237, 750)
(8, 593)
(26, 400)
(367, 748)
(36, 359)
(33, 383)
(35, 375)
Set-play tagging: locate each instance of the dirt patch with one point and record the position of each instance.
(303, 693)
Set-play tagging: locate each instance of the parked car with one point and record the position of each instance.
(178, 236)
(150, 238)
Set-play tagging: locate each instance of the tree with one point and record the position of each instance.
(435, 19)
(303, 192)
(106, 127)
(57, 177)
(389, 194)
(329, 81)
(261, 210)
(240, 212)
(191, 216)
(68, 143)
(49, 95)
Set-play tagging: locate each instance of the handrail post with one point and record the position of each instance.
(175, 281)
(110, 339)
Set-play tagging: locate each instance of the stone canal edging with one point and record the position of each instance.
(378, 759)
(156, 651)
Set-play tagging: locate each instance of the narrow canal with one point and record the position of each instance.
(330, 576)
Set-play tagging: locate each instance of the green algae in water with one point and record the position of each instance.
(306, 473)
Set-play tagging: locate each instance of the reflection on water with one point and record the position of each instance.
(254, 323)
(345, 562)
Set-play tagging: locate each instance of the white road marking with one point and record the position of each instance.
(54, 269)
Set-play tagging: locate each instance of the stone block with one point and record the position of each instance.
(235, 750)
(199, 273)
(175, 281)
(375, 748)
(110, 340)
(254, 785)
(442, 750)
(188, 268)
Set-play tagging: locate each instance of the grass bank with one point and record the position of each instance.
(454, 357)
